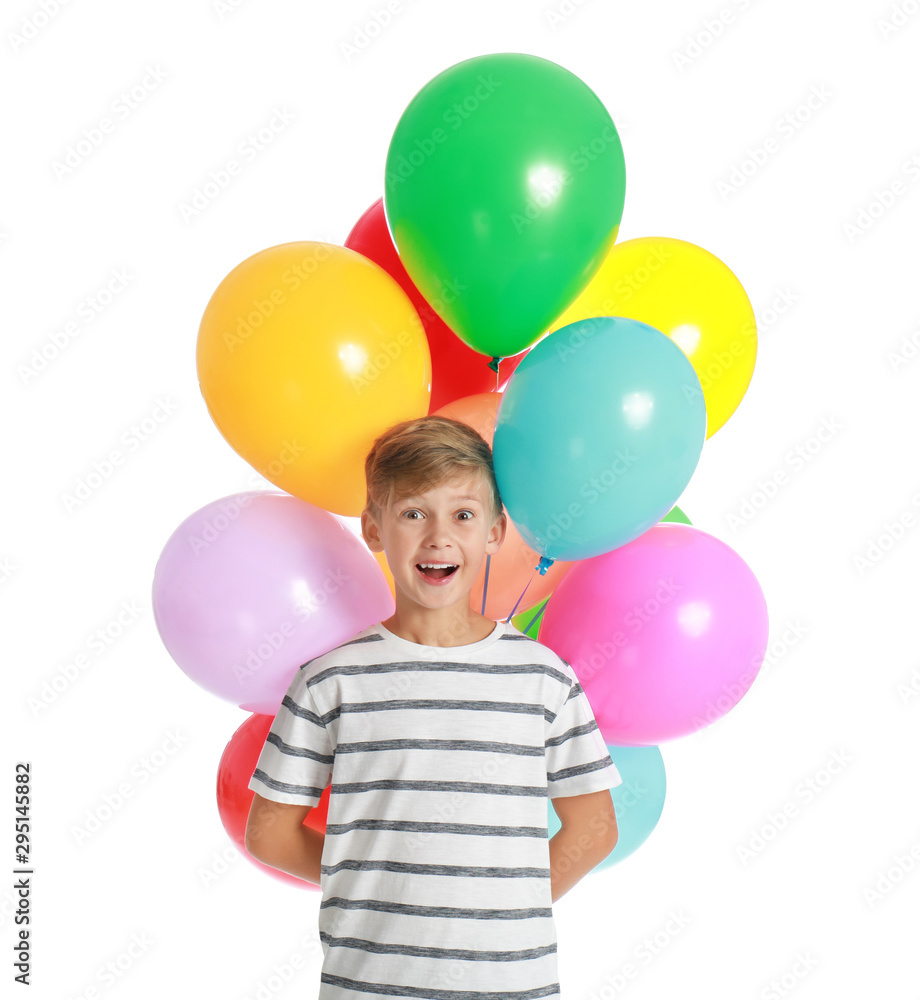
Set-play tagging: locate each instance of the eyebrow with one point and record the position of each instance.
(455, 498)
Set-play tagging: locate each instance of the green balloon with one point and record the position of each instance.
(677, 516)
(529, 621)
(505, 183)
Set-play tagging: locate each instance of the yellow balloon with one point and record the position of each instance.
(307, 352)
(693, 298)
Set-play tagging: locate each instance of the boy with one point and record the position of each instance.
(443, 733)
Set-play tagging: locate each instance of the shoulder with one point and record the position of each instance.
(358, 649)
(534, 651)
(533, 646)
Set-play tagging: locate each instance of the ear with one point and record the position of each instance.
(497, 534)
(370, 532)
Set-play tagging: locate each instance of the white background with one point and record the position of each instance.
(841, 678)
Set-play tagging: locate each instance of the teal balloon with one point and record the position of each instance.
(638, 801)
(598, 432)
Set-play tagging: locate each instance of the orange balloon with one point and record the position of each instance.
(513, 567)
(306, 353)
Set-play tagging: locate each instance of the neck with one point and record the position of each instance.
(435, 628)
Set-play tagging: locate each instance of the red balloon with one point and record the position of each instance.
(456, 369)
(234, 798)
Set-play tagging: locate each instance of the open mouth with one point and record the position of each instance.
(436, 572)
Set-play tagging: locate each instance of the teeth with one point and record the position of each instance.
(437, 565)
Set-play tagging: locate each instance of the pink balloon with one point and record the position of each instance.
(250, 587)
(666, 633)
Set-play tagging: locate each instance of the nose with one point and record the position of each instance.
(438, 533)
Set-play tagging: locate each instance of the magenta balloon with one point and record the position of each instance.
(666, 633)
(250, 587)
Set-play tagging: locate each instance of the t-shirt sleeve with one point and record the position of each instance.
(296, 760)
(577, 759)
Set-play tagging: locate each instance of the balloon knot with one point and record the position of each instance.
(493, 364)
(544, 564)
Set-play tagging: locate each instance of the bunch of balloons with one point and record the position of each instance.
(486, 285)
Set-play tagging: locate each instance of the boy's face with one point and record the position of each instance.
(449, 524)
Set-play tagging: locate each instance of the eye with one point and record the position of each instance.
(414, 511)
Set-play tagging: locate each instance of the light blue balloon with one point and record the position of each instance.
(638, 801)
(597, 434)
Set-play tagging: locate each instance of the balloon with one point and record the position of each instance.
(505, 183)
(528, 621)
(512, 568)
(234, 797)
(251, 587)
(676, 515)
(477, 411)
(598, 433)
(456, 370)
(693, 298)
(638, 801)
(306, 353)
(665, 634)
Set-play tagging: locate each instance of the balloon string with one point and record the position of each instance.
(485, 588)
(536, 618)
(521, 598)
(542, 566)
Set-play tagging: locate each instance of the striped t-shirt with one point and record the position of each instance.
(435, 868)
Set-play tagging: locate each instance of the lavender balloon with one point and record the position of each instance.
(250, 587)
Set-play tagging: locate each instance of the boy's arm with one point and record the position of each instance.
(589, 833)
(275, 835)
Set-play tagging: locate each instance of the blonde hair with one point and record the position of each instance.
(422, 454)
